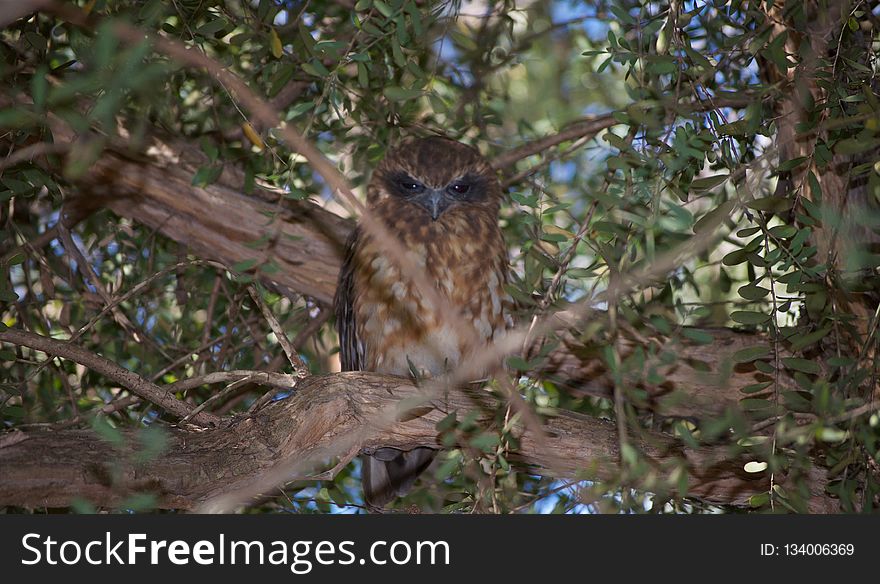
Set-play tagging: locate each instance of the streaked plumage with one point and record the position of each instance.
(441, 198)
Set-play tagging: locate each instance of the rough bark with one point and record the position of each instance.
(218, 221)
(50, 469)
(802, 103)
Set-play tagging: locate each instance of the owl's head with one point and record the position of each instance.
(435, 176)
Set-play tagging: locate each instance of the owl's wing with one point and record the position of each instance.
(387, 473)
(351, 349)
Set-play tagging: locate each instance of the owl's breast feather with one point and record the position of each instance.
(400, 328)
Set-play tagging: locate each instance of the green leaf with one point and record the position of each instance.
(756, 387)
(791, 164)
(153, 441)
(754, 404)
(751, 353)
(447, 423)
(206, 175)
(275, 45)
(753, 292)
(698, 59)
(244, 265)
(316, 69)
(486, 441)
(382, 7)
(698, 336)
(151, 10)
(107, 432)
(714, 218)
(397, 53)
(831, 434)
(517, 363)
(270, 268)
(801, 342)
(35, 40)
(363, 75)
(396, 93)
(797, 401)
(17, 118)
(448, 466)
(748, 232)
(803, 365)
(759, 500)
(855, 146)
(771, 204)
(299, 109)
(212, 27)
(139, 502)
(783, 231)
(735, 257)
(775, 51)
(39, 87)
(708, 183)
(764, 367)
(749, 317)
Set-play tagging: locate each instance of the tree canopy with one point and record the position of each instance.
(691, 207)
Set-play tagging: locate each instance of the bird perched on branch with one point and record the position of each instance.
(440, 199)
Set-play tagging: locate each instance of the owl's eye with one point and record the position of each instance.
(460, 188)
(411, 186)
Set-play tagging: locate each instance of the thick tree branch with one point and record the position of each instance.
(218, 221)
(49, 469)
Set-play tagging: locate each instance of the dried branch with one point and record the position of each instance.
(264, 378)
(296, 362)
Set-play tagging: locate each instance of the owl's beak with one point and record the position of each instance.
(435, 202)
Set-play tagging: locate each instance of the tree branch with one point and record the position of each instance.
(582, 128)
(49, 469)
(127, 379)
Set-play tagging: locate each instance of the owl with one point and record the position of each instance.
(441, 199)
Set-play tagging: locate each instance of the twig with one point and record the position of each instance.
(90, 277)
(209, 318)
(216, 397)
(32, 151)
(120, 404)
(281, 380)
(184, 358)
(295, 361)
(589, 126)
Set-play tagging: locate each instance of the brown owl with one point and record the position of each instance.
(441, 199)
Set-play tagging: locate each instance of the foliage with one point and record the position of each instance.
(743, 132)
